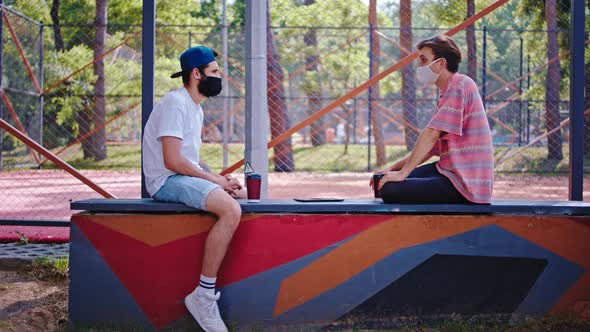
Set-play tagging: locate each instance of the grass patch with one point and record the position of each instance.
(118, 157)
(472, 323)
(333, 158)
(50, 269)
(530, 160)
(553, 323)
(326, 158)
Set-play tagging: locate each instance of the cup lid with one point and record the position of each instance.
(253, 176)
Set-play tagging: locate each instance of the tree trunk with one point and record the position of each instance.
(554, 141)
(54, 12)
(277, 108)
(375, 51)
(50, 118)
(408, 82)
(99, 148)
(347, 129)
(471, 44)
(314, 103)
(84, 120)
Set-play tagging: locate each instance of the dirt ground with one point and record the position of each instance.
(30, 302)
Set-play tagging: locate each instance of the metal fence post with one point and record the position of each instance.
(225, 91)
(370, 92)
(528, 105)
(41, 100)
(148, 69)
(354, 122)
(576, 174)
(256, 152)
(484, 66)
(520, 64)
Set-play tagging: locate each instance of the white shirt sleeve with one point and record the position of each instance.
(171, 121)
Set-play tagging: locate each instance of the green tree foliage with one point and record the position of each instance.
(342, 45)
(65, 102)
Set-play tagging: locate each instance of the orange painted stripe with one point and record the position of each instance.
(156, 230)
(365, 250)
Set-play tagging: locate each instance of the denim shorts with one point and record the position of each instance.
(188, 190)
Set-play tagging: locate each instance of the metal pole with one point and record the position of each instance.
(370, 92)
(148, 69)
(354, 121)
(528, 105)
(520, 130)
(576, 176)
(225, 88)
(484, 66)
(190, 39)
(256, 153)
(1, 75)
(41, 74)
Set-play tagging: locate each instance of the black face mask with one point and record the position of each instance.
(210, 86)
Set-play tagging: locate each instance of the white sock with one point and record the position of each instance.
(206, 285)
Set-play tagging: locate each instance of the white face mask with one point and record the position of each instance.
(425, 75)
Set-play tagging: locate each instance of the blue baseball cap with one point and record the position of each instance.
(195, 57)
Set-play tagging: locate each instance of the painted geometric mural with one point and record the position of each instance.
(299, 269)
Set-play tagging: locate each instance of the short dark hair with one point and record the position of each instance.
(186, 75)
(444, 47)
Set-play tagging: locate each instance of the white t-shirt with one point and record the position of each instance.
(177, 115)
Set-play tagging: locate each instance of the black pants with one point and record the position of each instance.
(425, 185)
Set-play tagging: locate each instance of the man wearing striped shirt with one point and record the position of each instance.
(458, 133)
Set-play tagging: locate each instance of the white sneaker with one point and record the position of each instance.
(204, 309)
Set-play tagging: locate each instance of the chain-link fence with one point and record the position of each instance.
(81, 74)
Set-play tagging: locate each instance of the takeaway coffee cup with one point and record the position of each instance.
(253, 182)
(376, 179)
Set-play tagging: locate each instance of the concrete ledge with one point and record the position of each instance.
(516, 207)
(287, 271)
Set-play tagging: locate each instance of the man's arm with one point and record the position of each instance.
(401, 163)
(419, 154)
(398, 165)
(176, 162)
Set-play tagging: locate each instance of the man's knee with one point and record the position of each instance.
(233, 209)
(395, 192)
(224, 206)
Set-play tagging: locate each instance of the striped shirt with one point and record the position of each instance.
(465, 148)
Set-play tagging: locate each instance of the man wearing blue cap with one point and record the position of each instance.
(171, 144)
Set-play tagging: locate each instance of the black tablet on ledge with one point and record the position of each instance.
(308, 200)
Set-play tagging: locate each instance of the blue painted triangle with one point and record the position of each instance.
(97, 296)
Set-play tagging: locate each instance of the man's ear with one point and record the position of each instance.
(197, 73)
(444, 63)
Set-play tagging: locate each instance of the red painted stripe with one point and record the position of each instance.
(169, 272)
(286, 238)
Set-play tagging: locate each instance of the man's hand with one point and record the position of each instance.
(381, 171)
(230, 184)
(235, 184)
(394, 176)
